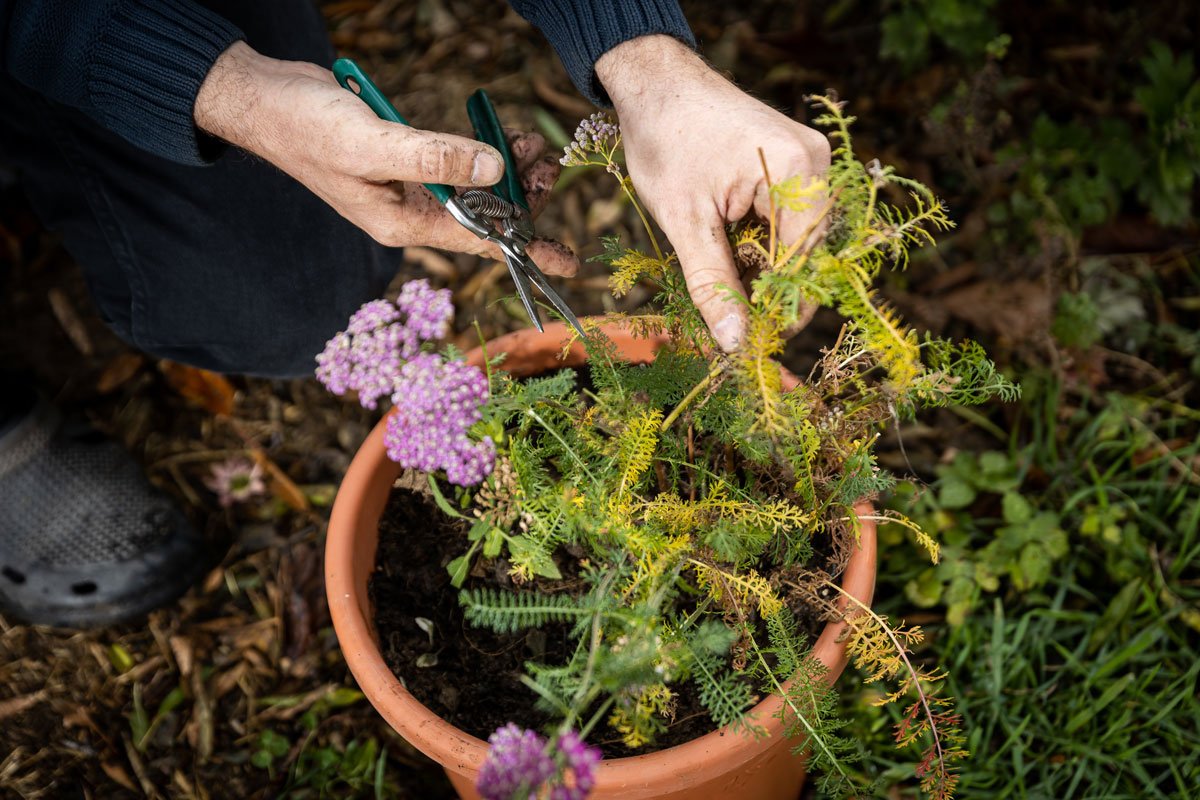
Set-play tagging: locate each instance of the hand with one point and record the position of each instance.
(296, 116)
(692, 142)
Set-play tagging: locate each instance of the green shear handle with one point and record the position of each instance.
(502, 216)
(479, 109)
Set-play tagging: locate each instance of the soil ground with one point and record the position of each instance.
(246, 663)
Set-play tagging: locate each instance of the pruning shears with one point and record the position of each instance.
(501, 215)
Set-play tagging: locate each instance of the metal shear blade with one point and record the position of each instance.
(529, 273)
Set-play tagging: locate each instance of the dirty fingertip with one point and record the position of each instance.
(554, 258)
(729, 332)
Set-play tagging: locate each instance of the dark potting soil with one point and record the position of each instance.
(469, 676)
(475, 682)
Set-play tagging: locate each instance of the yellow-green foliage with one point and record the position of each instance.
(675, 502)
(631, 267)
(641, 718)
(736, 592)
(635, 453)
(676, 515)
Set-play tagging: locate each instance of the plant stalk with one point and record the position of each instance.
(712, 375)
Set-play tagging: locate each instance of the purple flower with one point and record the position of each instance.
(517, 765)
(372, 315)
(367, 356)
(582, 759)
(429, 311)
(236, 480)
(436, 403)
(596, 134)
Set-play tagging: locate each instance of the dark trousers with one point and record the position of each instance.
(233, 267)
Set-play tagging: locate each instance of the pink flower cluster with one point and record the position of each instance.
(437, 402)
(379, 356)
(366, 357)
(519, 763)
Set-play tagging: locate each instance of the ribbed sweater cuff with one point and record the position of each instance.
(583, 30)
(146, 70)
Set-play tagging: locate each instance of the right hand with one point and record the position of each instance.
(296, 116)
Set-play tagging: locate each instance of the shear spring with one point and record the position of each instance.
(488, 204)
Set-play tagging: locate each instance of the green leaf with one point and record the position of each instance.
(493, 542)
(443, 503)
(956, 613)
(274, 743)
(954, 492)
(993, 463)
(714, 637)
(527, 551)
(458, 569)
(1115, 613)
(1085, 715)
(120, 657)
(343, 696)
(261, 759)
(1033, 567)
(1055, 542)
(925, 590)
(139, 721)
(1016, 509)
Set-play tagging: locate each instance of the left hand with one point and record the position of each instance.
(692, 142)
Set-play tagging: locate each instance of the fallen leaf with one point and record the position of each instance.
(66, 315)
(212, 392)
(118, 371)
(281, 485)
(432, 262)
(15, 705)
(603, 214)
(570, 104)
(229, 679)
(119, 775)
(1019, 311)
(181, 647)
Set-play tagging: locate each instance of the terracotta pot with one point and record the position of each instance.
(712, 766)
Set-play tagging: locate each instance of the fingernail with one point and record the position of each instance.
(486, 169)
(728, 333)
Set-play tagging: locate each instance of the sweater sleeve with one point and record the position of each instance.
(135, 66)
(583, 30)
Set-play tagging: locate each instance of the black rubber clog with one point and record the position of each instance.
(85, 540)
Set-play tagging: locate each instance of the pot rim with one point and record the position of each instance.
(676, 767)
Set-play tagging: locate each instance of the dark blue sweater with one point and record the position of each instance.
(135, 66)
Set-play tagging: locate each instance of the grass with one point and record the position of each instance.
(1083, 682)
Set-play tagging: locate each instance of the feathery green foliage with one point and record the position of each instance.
(667, 513)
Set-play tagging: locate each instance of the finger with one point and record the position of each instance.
(807, 225)
(409, 215)
(553, 257)
(538, 182)
(711, 276)
(398, 153)
(526, 146)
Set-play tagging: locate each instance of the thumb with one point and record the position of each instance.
(408, 154)
(710, 273)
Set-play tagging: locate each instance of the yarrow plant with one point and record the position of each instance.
(521, 764)
(673, 515)
(384, 353)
